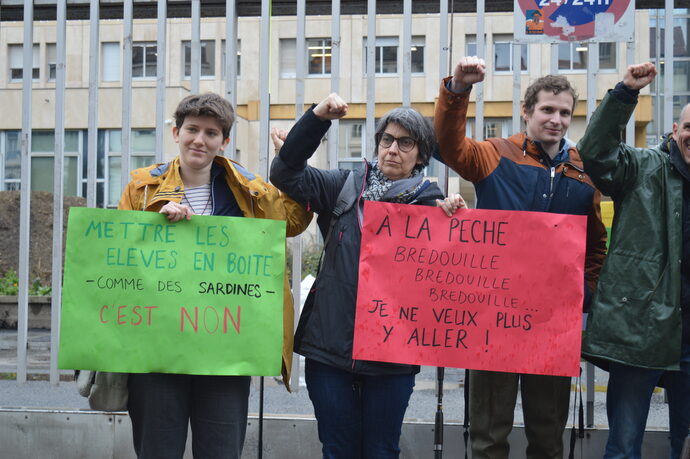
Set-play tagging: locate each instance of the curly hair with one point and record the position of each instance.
(551, 83)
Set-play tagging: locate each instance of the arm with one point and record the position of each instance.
(471, 159)
(595, 250)
(610, 163)
(316, 189)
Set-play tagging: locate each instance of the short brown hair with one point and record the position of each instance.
(207, 104)
(551, 83)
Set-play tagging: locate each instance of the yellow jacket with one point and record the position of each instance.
(153, 186)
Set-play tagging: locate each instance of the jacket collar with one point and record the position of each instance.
(669, 145)
(533, 148)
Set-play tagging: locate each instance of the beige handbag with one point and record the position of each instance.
(105, 391)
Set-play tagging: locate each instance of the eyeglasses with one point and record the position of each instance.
(405, 144)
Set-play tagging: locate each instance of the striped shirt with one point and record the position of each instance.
(199, 199)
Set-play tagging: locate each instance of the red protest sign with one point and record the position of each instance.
(485, 289)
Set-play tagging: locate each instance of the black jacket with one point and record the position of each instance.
(326, 326)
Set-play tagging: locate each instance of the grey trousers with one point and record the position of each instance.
(492, 404)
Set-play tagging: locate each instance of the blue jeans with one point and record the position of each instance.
(359, 416)
(627, 404)
(161, 406)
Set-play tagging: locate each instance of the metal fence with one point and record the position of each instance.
(231, 18)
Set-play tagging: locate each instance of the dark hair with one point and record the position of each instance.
(551, 83)
(413, 122)
(207, 104)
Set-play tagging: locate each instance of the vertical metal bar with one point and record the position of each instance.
(94, 15)
(479, 88)
(333, 134)
(231, 70)
(58, 181)
(592, 71)
(668, 66)
(195, 65)
(517, 77)
(126, 133)
(443, 71)
(630, 128)
(589, 375)
(371, 77)
(264, 88)
(301, 59)
(25, 195)
(554, 59)
(407, 53)
(161, 43)
(657, 95)
(444, 56)
(297, 240)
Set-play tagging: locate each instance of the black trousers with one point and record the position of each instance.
(161, 406)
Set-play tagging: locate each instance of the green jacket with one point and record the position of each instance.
(635, 317)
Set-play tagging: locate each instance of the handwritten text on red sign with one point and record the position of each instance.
(485, 289)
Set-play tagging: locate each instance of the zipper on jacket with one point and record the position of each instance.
(553, 174)
(213, 197)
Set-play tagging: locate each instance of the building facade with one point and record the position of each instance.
(425, 66)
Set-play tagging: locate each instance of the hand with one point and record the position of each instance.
(176, 212)
(469, 70)
(451, 204)
(278, 137)
(331, 108)
(640, 75)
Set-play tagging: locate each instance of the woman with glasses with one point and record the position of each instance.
(359, 405)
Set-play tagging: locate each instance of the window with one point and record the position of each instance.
(385, 55)
(110, 63)
(572, 56)
(417, 54)
(319, 56)
(207, 58)
(43, 162)
(51, 62)
(471, 45)
(144, 57)
(239, 56)
(16, 55)
(143, 148)
(351, 144)
(493, 127)
(12, 160)
(288, 57)
(503, 54)
(607, 56)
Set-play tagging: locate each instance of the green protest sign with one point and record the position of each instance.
(141, 294)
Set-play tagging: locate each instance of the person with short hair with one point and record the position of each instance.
(639, 323)
(200, 181)
(359, 405)
(536, 170)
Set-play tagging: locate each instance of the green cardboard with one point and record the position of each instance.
(143, 295)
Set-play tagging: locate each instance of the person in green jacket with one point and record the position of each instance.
(639, 321)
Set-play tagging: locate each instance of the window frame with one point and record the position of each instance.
(204, 44)
(380, 43)
(35, 65)
(503, 39)
(325, 48)
(145, 45)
